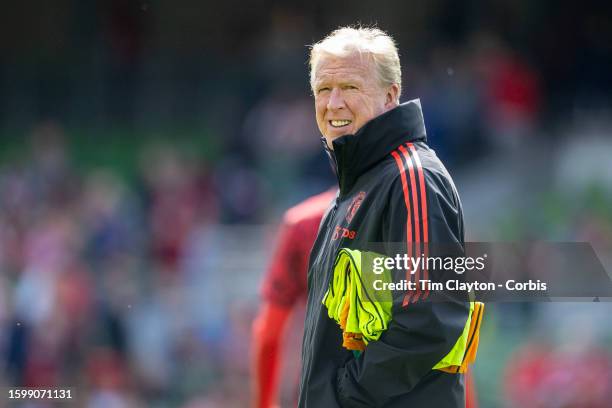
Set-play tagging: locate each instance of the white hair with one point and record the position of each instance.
(372, 42)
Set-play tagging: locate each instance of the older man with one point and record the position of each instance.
(393, 189)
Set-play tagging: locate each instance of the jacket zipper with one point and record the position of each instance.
(332, 159)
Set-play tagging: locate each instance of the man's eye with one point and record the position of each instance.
(324, 89)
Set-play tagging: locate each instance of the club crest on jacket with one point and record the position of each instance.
(355, 204)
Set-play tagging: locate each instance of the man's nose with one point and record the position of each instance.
(336, 100)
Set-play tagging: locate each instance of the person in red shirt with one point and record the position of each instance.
(284, 289)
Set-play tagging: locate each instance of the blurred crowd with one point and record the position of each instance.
(94, 289)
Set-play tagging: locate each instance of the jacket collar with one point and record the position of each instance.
(354, 154)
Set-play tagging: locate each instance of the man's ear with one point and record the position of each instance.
(392, 97)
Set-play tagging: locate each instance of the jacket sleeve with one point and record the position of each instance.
(421, 333)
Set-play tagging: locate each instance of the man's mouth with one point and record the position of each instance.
(340, 123)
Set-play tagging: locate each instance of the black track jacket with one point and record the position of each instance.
(393, 188)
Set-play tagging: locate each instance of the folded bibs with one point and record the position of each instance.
(362, 313)
(464, 351)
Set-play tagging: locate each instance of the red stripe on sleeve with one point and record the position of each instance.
(402, 171)
(423, 191)
(417, 229)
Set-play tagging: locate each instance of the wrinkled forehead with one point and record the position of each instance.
(355, 65)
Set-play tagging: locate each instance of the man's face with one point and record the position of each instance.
(347, 95)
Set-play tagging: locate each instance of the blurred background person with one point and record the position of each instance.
(284, 290)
